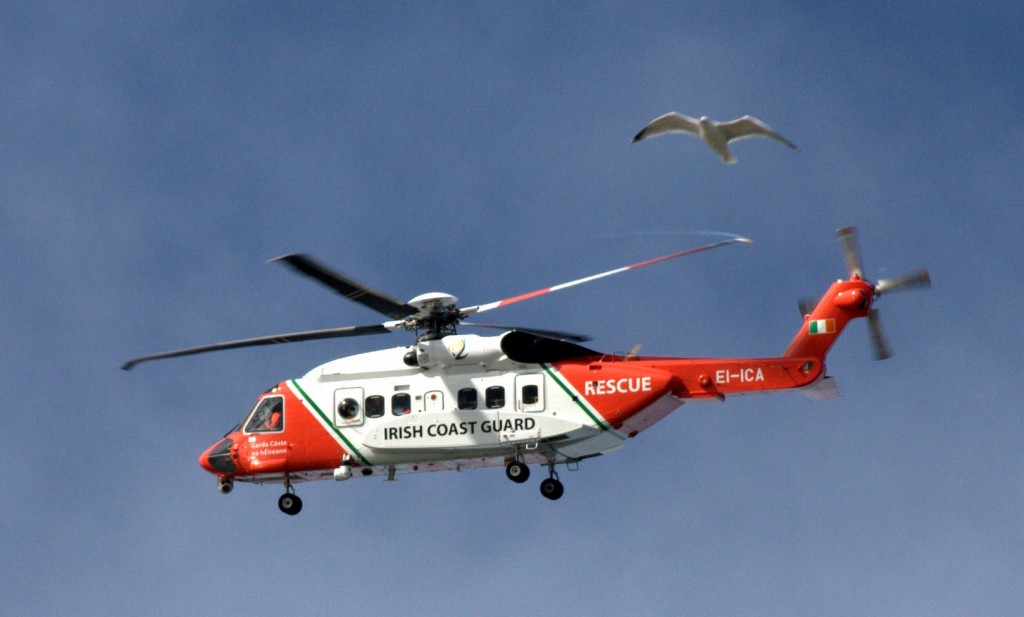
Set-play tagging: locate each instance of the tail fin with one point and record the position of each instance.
(844, 301)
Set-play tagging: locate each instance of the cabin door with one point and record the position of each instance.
(530, 392)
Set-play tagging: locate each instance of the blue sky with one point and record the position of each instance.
(154, 157)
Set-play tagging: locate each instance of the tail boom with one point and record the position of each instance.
(843, 302)
(718, 378)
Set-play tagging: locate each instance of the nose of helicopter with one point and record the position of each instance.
(217, 459)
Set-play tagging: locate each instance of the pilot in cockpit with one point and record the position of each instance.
(268, 417)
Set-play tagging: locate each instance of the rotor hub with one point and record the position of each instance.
(437, 315)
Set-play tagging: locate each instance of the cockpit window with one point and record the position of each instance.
(268, 416)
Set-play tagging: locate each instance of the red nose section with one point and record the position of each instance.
(219, 459)
(205, 463)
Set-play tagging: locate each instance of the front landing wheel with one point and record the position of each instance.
(290, 504)
(517, 472)
(552, 489)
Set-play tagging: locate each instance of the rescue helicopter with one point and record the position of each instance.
(453, 401)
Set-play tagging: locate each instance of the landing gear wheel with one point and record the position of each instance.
(517, 472)
(551, 488)
(290, 504)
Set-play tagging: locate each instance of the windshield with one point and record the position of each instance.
(268, 417)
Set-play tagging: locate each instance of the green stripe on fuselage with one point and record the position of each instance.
(575, 397)
(328, 422)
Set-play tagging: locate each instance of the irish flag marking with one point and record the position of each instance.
(821, 326)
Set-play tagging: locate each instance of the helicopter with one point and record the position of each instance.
(453, 401)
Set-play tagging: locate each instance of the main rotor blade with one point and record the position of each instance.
(293, 337)
(920, 278)
(848, 238)
(540, 292)
(350, 288)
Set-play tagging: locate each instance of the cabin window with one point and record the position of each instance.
(268, 417)
(348, 406)
(530, 392)
(348, 409)
(467, 398)
(495, 397)
(374, 406)
(401, 404)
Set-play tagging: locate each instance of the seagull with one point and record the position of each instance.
(716, 135)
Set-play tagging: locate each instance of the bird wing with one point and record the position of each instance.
(749, 126)
(671, 122)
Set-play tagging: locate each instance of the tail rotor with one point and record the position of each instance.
(918, 279)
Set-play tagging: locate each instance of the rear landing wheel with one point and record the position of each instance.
(290, 504)
(551, 488)
(517, 472)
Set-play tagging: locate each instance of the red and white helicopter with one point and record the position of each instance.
(525, 397)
